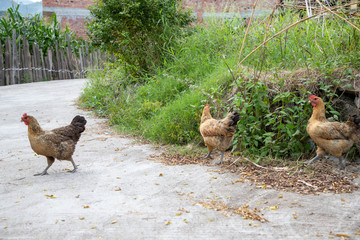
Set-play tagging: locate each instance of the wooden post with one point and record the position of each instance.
(81, 63)
(20, 62)
(50, 62)
(27, 60)
(7, 61)
(2, 74)
(38, 62)
(13, 57)
(58, 62)
(44, 73)
(86, 54)
(69, 57)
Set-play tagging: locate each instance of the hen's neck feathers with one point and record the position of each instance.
(206, 115)
(319, 112)
(34, 127)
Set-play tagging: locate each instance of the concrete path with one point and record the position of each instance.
(118, 193)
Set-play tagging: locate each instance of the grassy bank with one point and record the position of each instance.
(270, 89)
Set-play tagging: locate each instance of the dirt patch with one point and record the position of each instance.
(320, 177)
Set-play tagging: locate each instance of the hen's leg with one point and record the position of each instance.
(50, 161)
(312, 160)
(221, 158)
(75, 167)
(208, 155)
(341, 163)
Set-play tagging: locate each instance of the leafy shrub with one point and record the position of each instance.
(139, 32)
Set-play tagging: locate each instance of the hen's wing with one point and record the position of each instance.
(332, 131)
(72, 131)
(213, 127)
(55, 137)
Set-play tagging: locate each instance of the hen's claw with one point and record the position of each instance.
(312, 160)
(207, 156)
(72, 171)
(221, 159)
(41, 174)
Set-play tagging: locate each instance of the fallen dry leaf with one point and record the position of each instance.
(113, 222)
(319, 178)
(86, 206)
(342, 235)
(167, 223)
(184, 210)
(81, 218)
(50, 196)
(243, 211)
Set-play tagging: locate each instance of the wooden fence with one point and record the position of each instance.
(19, 64)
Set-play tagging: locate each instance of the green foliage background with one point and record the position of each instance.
(166, 106)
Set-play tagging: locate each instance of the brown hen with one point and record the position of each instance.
(58, 143)
(218, 133)
(334, 138)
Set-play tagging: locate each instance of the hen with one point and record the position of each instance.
(334, 138)
(218, 133)
(58, 143)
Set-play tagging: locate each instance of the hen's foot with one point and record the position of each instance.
(312, 160)
(342, 162)
(72, 171)
(217, 162)
(41, 174)
(208, 156)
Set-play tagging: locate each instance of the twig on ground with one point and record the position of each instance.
(307, 184)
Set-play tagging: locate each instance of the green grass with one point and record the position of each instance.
(166, 107)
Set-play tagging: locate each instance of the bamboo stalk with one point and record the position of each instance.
(247, 30)
(328, 9)
(279, 33)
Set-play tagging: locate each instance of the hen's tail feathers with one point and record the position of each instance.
(235, 117)
(79, 122)
(356, 120)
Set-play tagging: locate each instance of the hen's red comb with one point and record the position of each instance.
(312, 97)
(207, 105)
(25, 114)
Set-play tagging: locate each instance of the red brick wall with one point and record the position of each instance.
(76, 24)
(67, 3)
(67, 13)
(222, 7)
